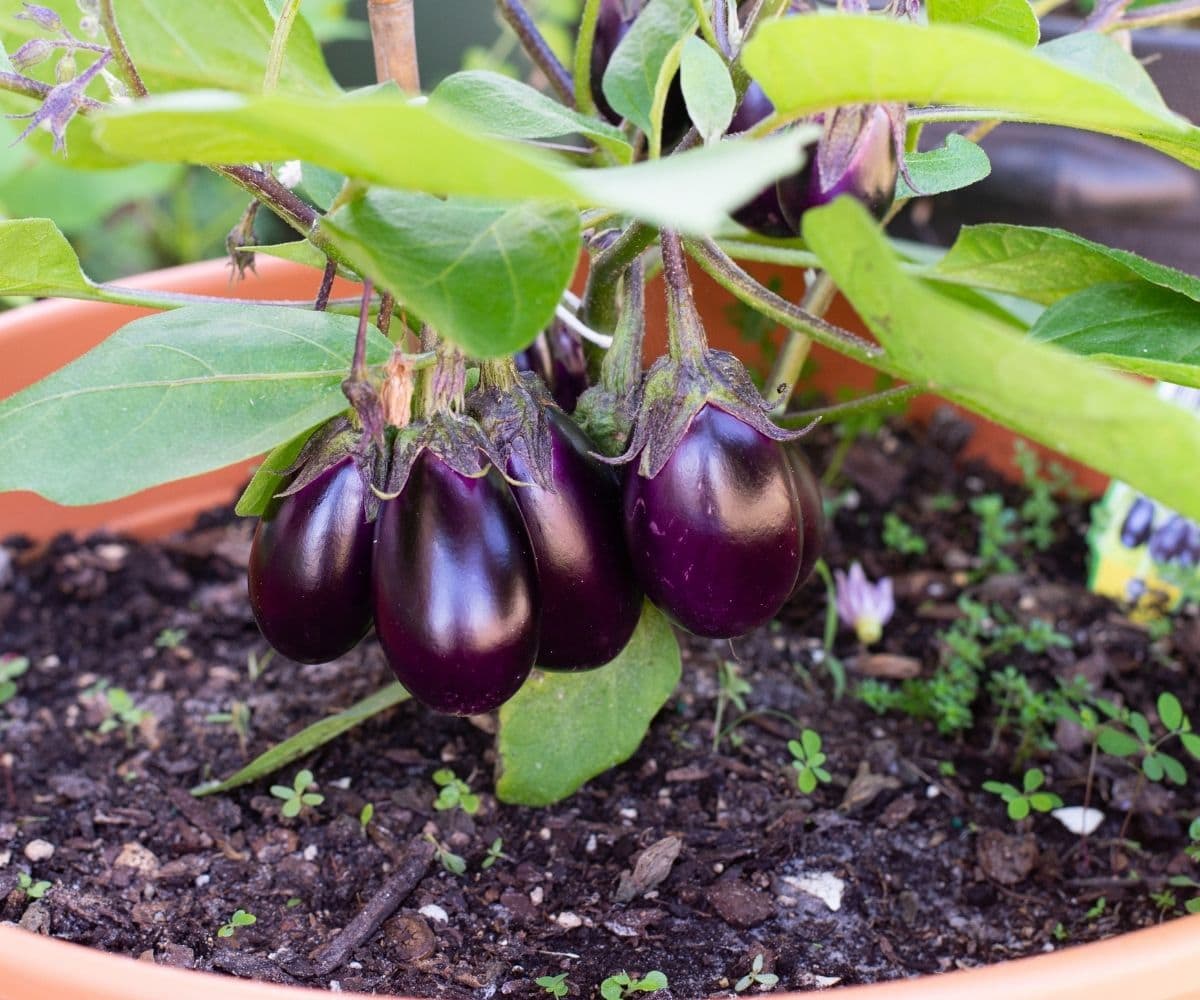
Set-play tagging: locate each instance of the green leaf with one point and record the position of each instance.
(1117, 743)
(486, 276)
(1141, 726)
(124, 416)
(269, 476)
(707, 89)
(1131, 326)
(1104, 420)
(1001, 788)
(1013, 19)
(957, 163)
(502, 106)
(1174, 770)
(77, 199)
(806, 781)
(806, 64)
(1044, 801)
(1046, 265)
(562, 729)
(1018, 808)
(1034, 779)
(652, 982)
(1191, 743)
(632, 75)
(182, 44)
(36, 259)
(1170, 711)
(1152, 767)
(308, 740)
(359, 135)
(811, 741)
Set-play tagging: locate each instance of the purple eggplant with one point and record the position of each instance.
(590, 599)
(1169, 539)
(1138, 523)
(455, 589)
(812, 511)
(558, 358)
(310, 568)
(856, 156)
(715, 537)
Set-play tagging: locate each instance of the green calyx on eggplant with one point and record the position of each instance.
(571, 505)
(309, 572)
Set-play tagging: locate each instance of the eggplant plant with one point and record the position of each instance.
(469, 456)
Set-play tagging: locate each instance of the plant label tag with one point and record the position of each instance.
(1143, 553)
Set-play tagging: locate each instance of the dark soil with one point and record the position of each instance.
(932, 874)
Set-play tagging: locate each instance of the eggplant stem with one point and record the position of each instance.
(116, 42)
(358, 370)
(279, 41)
(538, 49)
(584, 40)
(685, 332)
(621, 368)
(326, 288)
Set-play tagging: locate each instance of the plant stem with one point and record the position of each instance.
(726, 273)
(538, 50)
(685, 333)
(839, 411)
(1164, 13)
(706, 25)
(584, 40)
(394, 39)
(622, 365)
(279, 41)
(387, 305)
(116, 42)
(290, 207)
(601, 305)
(358, 369)
(147, 299)
(322, 302)
(790, 361)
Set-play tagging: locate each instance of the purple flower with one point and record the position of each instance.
(43, 16)
(863, 605)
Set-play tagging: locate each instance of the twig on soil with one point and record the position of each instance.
(371, 917)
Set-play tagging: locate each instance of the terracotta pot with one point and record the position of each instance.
(1162, 963)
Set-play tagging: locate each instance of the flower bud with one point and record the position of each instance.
(65, 71)
(34, 51)
(43, 16)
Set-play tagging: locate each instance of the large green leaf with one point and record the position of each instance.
(173, 395)
(1110, 422)
(183, 44)
(1134, 326)
(1013, 19)
(77, 199)
(507, 107)
(707, 89)
(957, 163)
(268, 478)
(487, 276)
(361, 135)
(632, 76)
(807, 64)
(36, 259)
(562, 729)
(1045, 265)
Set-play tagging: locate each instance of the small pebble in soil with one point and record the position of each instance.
(39, 850)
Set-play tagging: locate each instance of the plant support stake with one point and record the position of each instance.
(394, 38)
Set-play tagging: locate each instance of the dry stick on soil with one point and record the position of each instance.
(536, 47)
(394, 38)
(369, 919)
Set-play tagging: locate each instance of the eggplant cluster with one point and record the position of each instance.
(504, 540)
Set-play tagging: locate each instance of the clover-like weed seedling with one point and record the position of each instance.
(808, 761)
(756, 977)
(121, 712)
(170, 638)
(240, 918)
(623, 985)
(556, 986)
(365, 815)
(494, 853)
(1185, 881)
(298, 795)
(11, 667)
(1029, 798)
(455, 793)
(32, 889)
(455, 864)
(899, 536)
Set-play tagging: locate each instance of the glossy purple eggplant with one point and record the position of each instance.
(715, 537)
(455, 589)
(558, 358)
(812, 511)
(590, 598)
(310, 568)
(861, 162)
(1138, 524)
